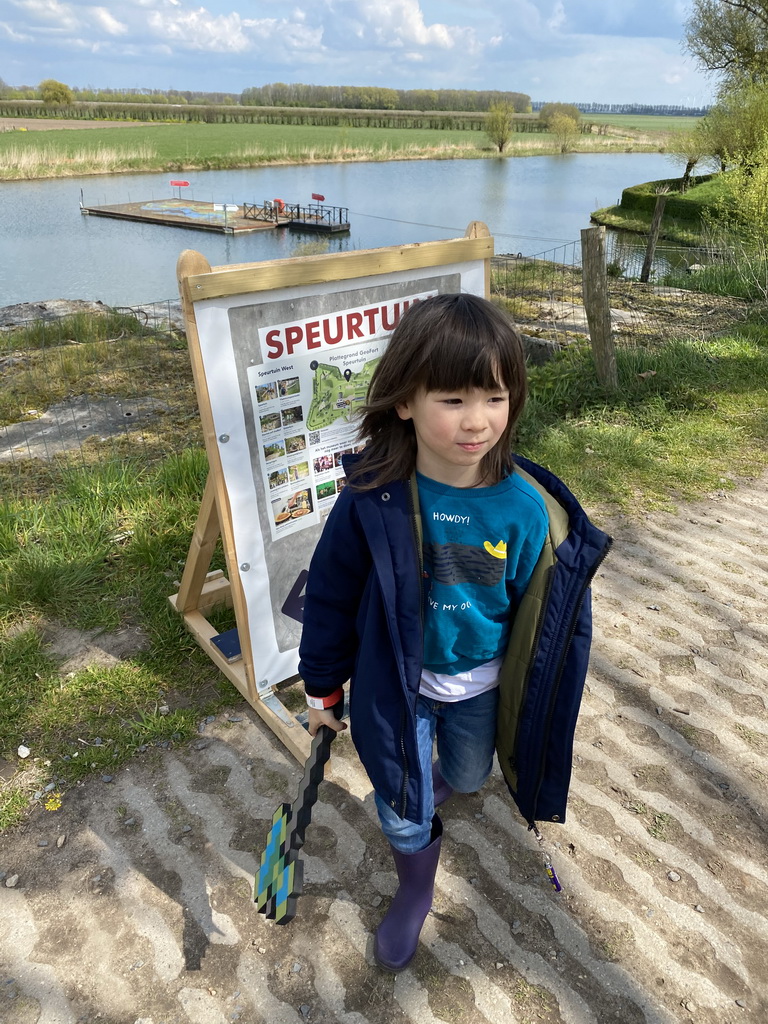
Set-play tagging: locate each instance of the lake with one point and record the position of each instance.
(532, 205)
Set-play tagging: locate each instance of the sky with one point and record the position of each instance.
(608, 51)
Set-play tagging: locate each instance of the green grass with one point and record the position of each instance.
(99, 552)
(174, 147)
(645, 123)
(685, 219)
(637, 222)
(735, 269)
(697, 422)
(726, 279)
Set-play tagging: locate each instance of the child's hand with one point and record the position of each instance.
(324, 717)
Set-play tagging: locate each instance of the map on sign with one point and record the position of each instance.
(337, 394)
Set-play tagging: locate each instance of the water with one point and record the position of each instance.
(49, 250)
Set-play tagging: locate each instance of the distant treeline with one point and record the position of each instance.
(153, 96)
(352, 97)
(659, 110)
(456, 120)
(344, 97)
(280, 94)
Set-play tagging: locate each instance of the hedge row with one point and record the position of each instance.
(681, 206)
(231, 114)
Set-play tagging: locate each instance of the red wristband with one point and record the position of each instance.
(321, 703)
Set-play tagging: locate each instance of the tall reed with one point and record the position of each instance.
(48, 161)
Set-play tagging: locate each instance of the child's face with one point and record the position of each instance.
(454, 430)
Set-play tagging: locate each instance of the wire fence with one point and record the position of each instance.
(99, 384)
(544, 295)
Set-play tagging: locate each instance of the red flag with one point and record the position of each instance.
(316, 195)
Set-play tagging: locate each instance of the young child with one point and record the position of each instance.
(415, 586)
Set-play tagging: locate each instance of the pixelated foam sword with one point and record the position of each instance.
(281, 871)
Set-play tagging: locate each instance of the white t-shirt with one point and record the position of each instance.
(438, 686)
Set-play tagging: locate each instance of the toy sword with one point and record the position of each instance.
(281, 872)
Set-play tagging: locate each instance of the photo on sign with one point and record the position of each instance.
(270, 422)
(322, 463)
(296, 443)
(266, 393)
(273, 451)
(292, 415)
(326, 490)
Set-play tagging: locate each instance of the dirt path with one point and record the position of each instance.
(144, 914)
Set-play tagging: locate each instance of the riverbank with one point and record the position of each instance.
(689, 215)
(638, 223)
(69, 148)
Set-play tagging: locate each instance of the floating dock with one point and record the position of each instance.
(300, 217)
(228, 218)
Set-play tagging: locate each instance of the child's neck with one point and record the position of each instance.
(461, 477)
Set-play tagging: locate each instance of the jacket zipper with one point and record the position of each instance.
(561, 662)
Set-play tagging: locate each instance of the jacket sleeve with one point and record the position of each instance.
(338, 575)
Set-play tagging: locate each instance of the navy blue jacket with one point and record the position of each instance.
(363, 622)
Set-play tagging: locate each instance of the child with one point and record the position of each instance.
(416, 583)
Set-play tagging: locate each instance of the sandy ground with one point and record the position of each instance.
(142, 912)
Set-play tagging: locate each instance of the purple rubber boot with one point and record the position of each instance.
(440, 787)
(398, 934)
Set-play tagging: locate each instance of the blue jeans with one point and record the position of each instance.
(466, 739)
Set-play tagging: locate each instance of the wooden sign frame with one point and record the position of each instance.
(201, 590)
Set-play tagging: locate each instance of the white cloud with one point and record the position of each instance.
(646, 73)
(551, 49)
(392, 25)
(48, 11)
(200, 30)
(110, 24)
(558, 18)
(16, 37)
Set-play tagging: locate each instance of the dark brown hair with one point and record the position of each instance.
(444, 343)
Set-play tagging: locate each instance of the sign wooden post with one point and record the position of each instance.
(282, 353)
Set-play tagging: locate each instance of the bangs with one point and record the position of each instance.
(461, 361)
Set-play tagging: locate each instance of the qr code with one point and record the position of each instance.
(314, 437)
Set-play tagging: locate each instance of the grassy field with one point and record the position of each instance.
(171, 147)
(645, 123)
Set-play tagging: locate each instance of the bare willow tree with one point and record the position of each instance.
(730, 37)
(688, 149)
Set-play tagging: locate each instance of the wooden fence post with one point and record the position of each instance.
(596, 304)
(653, 238)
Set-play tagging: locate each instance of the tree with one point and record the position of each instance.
(735, 127)
(689, 148)
(498, 124)
(730, 37)
(565, 130)
(52, 91)
(550, 110)
(717, 130)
